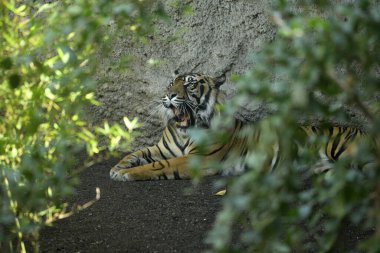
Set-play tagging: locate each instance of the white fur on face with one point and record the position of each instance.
(166, 101)
(206, 114)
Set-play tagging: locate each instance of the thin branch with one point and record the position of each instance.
(75, 209)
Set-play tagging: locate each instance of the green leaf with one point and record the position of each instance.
(6, 63)
(14, 81)
(65, 56)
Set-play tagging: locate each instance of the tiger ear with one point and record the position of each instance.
(218, 81)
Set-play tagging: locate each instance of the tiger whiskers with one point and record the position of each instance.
(155, 108)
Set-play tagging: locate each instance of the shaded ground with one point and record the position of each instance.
(150, 216)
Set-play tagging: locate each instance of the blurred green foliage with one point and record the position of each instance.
(323, 63)
(47, 65)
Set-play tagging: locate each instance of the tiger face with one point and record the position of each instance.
(190, 99)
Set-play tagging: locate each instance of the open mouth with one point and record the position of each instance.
(182, 119)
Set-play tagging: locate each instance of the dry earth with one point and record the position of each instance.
(149, 216)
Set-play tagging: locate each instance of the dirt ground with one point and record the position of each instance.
(149, 216)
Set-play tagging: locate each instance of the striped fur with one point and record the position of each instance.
(190, 101)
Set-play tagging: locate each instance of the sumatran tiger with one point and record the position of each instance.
(190, 102)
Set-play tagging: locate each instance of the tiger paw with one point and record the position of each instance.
(117, 175)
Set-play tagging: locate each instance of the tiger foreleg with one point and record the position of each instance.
(135, 159)
(175, 168)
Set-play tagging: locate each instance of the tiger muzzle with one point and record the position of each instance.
(182, 118)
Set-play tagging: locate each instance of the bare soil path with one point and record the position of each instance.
(150, 216)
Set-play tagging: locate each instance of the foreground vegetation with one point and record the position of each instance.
(324, 62)
(47, 66)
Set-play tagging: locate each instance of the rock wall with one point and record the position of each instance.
(217, 36)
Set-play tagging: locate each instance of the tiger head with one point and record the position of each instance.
(191, 98)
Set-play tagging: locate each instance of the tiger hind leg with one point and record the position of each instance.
(322, 167)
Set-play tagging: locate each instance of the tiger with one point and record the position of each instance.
(191, 101)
